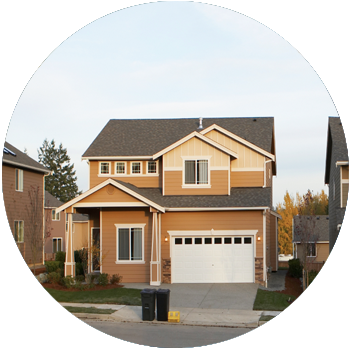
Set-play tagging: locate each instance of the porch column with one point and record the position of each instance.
(69, 265)
(155, 265)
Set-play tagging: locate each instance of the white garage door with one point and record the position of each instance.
(212, 259)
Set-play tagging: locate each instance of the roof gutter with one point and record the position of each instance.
(48, 172)
(180, 209)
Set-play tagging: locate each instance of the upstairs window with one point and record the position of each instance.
(152, 167)
(136, 168)
(55, 216)
(120, 168)
(19, 179)
(196, 172)
(19, 231)
(311, 249)
(104, 168)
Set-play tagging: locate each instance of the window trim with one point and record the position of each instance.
(15, 223)
(307, 247)
(54, 214)
(56, 238)
(195, 158)
(342, 181)
(19, 180)
(115, 168)
(136, 174)
(157, 168)
(109, 168)
(130, 226)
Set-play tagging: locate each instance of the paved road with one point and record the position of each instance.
(167, 335)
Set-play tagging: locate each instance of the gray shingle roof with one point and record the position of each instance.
(145, 137)
(319, 224)
(336, 144)
(21, 159)
(240, 197)
(51, 201)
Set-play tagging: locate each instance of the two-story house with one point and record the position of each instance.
(20, 176)
(181, 200)
(336, 176)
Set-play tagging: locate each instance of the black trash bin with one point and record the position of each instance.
(148, 299)
(163, 297)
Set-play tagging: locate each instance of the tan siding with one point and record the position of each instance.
(56, 228)
(345, 172)
(80, 235)
(273, 243)
(218, 181)
(229, 220)
(109, 194)
(345, 190)
(130, 272)
(247, 178)
(16, 204)
(322, 252)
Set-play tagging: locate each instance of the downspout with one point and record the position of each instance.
(45, 175)
(264, 248)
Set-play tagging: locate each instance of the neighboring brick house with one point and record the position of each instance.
(336, 176)
(181, 200)
(311, 232)
(20, 173)
(55, 227)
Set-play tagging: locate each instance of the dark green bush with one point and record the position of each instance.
(68, 281)
(60, 256)
(52, 266)
(79, 270)
(80, 278)
(103, 279)
(295, 268)
(77, 257)
(54, 278)
(116, 279)
(312, 275)
(91, 278)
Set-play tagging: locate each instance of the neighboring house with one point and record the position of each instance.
(20, 173)
(337, 177)
(181, 200)
(312, 233)
(55, 228)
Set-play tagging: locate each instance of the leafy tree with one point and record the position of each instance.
(62, 182)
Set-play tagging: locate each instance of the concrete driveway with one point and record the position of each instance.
(207, 296)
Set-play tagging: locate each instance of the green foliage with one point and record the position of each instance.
(295, 268)
(296, 318)
(68, 281)
(79, 270)
(80, 278)
(103, 279)
(52, 266)
(312, 275)
(77, 257)
(270, 300)
(62, 183)
(116, 279)
(91, 278)
(54, 278)
(60, 256)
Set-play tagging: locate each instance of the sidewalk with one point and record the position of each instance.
(188, 316)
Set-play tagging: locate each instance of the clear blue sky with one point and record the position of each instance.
(176, 60)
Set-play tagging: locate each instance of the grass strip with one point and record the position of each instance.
(266, 317)
(125, 296)
(270, 300)
(91, 310)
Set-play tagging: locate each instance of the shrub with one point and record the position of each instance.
(60, 256)
(52, 266)
(295, 268)
(116, 279)
(90, 279)
(103, 279)
(68, 281)
(54, 278)
(312, 275)
(80, 278)
(79, 270)
(77, 257)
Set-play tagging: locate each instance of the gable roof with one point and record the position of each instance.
(146, 137)
(51, 201)
(15, 157)
(321, 227)
(337, 149)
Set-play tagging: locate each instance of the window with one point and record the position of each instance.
(120, 168)
(247, 240)
(104, 167)
(55, 216)
(238, 240)
(178, 241)
(344, 176)
(217, 240)
(198, 241)
(311, 249)
(19, 180)
(188, 241)
(196, 172)
(56, 245)
(136, 167)
(19, 231)
(228, 240)
(66, 222)
(152, 167)
(207, 241)
(130, 243)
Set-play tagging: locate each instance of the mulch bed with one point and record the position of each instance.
(95, 288)
(293, 286)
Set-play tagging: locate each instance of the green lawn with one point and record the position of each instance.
(127, 296)
(269, 300)
(90, 310)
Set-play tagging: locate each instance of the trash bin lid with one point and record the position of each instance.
(163, 291)
(148, 291)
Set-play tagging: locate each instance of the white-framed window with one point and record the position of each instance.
(130, 243)
(66, 222)
(55, 216)
(196, 172)
(56, 245)
(105, 167)
(19, 231)
(19, 179)
(136, 167)
(152, 167)
(120, 168)
(311, 249)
